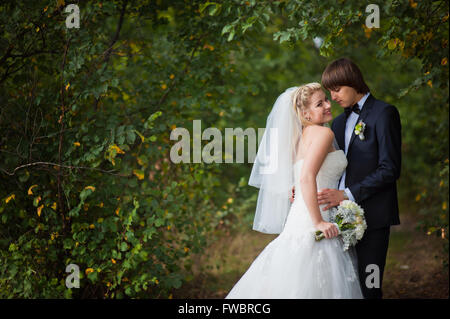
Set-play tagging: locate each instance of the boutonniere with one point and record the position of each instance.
(359, 130)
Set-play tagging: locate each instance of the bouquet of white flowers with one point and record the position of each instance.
(349, 219)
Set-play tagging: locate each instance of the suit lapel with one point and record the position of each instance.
(340, 131)
(364, 113)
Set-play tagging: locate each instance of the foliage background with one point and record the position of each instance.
(86, 116)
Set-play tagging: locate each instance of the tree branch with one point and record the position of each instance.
(61, 121)
(114, 39)
(63, 166)
(107, 53)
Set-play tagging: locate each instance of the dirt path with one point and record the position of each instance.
(413, 267)
(414, 264)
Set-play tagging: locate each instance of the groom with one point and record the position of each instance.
(369, 131)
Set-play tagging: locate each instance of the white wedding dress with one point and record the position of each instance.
(294, 265)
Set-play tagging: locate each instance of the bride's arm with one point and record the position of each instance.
(315, 155)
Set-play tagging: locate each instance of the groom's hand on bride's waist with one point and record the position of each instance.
(292, 195)
(331, 197)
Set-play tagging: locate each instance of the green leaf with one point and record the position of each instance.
(93, 276)
(227, 28)
(159, 222)
(123, 246)
(131, 137)
(85, 193)
(230, 36)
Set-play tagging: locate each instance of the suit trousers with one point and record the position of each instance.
(371, 252)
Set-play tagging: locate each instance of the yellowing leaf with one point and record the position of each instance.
(9, 198)
(207, 46)
(141, 136)
(89, 270)
(117, 148)
(92, 188)
(54, 206)
(392, 44)
(30, 190)
(134, 48)
(39, 210)
(139, 174)
(36, 200)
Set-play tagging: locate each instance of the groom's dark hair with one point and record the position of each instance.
(343, 72)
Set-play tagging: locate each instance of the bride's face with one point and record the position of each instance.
(319, 110)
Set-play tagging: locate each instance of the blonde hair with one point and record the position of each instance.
(300, 100)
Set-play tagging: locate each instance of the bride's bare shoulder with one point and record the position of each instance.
(319, 131)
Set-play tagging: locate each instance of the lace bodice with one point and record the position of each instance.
(328, 176)
(330, 172)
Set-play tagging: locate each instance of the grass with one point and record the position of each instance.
(217, 270)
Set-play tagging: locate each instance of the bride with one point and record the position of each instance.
(298, 150)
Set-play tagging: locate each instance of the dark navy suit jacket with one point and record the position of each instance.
(374, 163)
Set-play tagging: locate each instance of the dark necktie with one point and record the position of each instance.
(349, 110)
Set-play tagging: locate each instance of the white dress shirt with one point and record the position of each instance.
(349, 127)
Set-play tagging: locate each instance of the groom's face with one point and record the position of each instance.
(345, 96)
